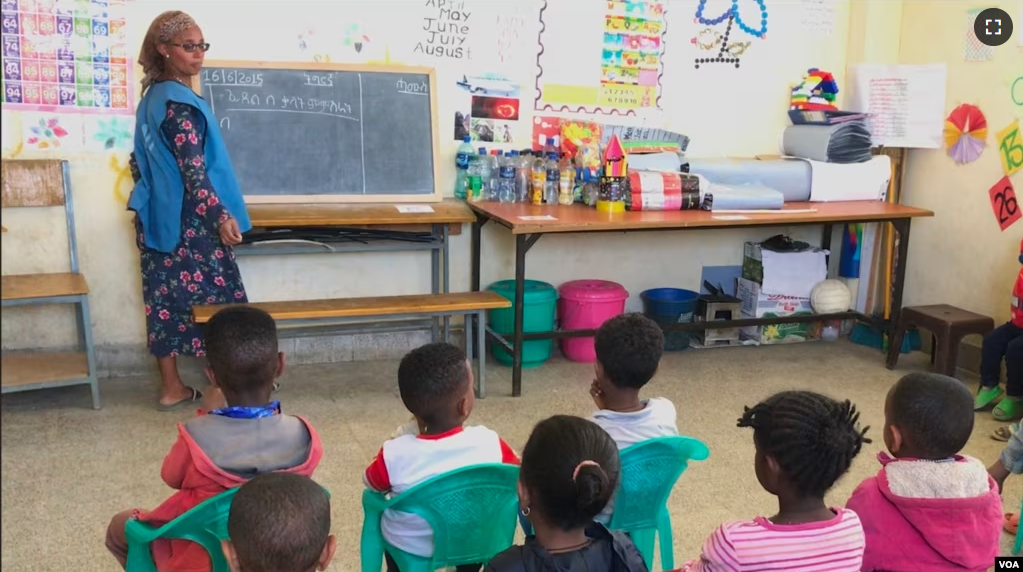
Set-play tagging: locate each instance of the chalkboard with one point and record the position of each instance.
(312, 132)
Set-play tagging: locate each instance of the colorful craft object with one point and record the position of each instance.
(615, 164)
(816, 92)
(965, 133)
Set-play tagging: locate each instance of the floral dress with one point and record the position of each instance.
(201, 270)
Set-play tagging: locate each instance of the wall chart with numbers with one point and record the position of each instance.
(66, 56)
(613, 63)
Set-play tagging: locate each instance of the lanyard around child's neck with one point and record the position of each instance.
(242, 412)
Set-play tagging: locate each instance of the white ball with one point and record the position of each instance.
(830, 296)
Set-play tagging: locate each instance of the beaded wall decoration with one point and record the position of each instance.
(729, 50)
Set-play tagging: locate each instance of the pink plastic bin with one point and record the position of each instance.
(584, 305)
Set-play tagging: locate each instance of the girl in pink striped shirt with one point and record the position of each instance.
(804, 443)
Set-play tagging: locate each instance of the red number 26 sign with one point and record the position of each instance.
(1004, 203)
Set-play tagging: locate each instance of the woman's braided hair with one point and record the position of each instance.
(812, 437)
(163, 30)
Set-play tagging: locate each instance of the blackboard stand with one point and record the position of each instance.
(305, 132)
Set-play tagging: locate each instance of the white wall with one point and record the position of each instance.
(727, 112)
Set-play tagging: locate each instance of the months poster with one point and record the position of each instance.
(66, 56)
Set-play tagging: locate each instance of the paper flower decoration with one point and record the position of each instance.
(965, 133)
(46, 134)
(114, 133)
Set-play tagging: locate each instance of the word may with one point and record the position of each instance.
(231, 77)
(414, 88)
(447, 31)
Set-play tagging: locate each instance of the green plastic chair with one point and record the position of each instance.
(471, 510)
(650, 470)
(206, 524)
(1019, 538)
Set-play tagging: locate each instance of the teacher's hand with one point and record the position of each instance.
(229, 233)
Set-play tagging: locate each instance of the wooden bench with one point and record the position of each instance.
(342, 311)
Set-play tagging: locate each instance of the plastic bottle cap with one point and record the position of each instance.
(483, 150)
(499, 152)
(513, 153)
(466, 139)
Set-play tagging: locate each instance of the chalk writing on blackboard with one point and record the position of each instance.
(327, 133)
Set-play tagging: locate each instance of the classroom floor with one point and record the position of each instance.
(66, 469)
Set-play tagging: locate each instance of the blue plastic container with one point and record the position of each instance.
(671, 306)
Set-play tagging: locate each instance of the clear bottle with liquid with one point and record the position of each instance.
(506, 179)
(475, 178)
(462, 157)
(552, 180)
(566, 182)
(486, 173)
(537, 179)
(522, 174)
(495, 173)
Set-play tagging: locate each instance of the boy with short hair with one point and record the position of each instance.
(629, 348)
(436, 386)
(225, 447)
(929, 508)
(279, 522)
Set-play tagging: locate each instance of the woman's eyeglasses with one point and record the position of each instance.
(190, 47)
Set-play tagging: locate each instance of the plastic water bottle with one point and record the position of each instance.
(506, 178)
(522, 173)
(475, 177)
(485, 172)
(495, 172)
(537, 179)
(462, 157)
(553, 178)
(566, 184)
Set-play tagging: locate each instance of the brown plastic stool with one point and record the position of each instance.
(947, 324)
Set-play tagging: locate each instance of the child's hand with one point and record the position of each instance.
(597, 394)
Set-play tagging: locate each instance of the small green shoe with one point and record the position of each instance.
(1008, 409)
(986, 396)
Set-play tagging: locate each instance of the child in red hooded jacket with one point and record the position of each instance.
(227, 446)
(929, 507)
(1004, 341)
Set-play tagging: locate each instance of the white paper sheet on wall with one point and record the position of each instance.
(906, 103)
(1019, 30)
(818, 16)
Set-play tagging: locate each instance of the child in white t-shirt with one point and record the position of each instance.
(436, 385)
(629, 349)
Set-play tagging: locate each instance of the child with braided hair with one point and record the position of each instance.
(804, 443)
(928, 508)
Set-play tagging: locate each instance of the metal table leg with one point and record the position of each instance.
(520, 285)
(446, 287)
(481, 362)
(475, 244)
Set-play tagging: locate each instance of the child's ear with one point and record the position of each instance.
(210, 376)
(523, 496)
(897, 440)
(464, 407)
(280, 365)
(328, 553)
(230, 555)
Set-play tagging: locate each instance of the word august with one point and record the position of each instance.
(446, 32)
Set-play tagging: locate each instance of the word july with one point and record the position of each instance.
(447, 32)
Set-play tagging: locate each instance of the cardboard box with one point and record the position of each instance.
(756, 304)
(789, 273)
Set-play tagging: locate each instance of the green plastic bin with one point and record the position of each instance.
(540, 301)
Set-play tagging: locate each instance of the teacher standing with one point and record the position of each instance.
(189, 210)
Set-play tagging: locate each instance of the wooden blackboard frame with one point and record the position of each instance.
(430, 72)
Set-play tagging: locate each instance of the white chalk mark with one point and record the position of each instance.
(295, 111)
(412, 92)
